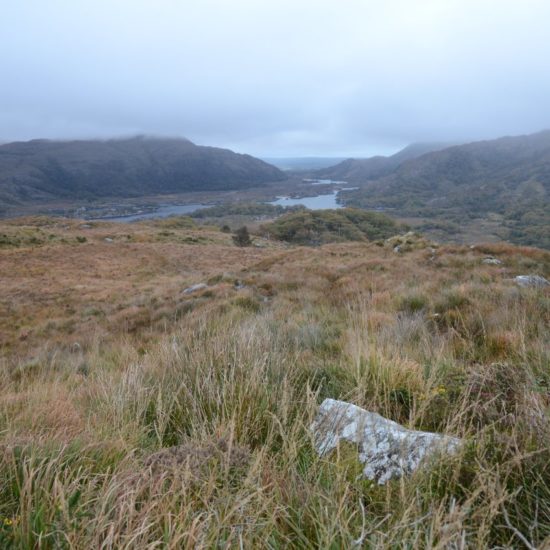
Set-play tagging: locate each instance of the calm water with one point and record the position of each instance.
(160, 212)
(320, 202)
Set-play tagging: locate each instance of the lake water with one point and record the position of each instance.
(320, 202)
(161, 212)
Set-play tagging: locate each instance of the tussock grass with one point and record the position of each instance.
(183, 421)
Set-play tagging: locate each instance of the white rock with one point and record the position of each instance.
(491, 261)
(386, 449)
(531, 280)
(108, 240)
(194, 288)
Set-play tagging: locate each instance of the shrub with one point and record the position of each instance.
(315, 227)
(413, 303)
(242, 237)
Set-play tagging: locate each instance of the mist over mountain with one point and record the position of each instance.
(359, 170)
(40, 170)
(508, 178)
(303, 164)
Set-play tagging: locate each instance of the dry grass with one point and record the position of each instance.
(133, 415)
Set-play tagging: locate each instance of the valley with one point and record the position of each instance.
(494, 191)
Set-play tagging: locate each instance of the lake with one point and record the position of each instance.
(161, 212)
(320, 202)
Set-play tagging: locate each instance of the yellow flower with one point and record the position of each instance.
(8, 521)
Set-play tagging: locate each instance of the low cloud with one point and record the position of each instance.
(355, 77)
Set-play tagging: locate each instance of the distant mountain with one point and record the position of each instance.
(41, 170)
(361, 170)
(300, 164)
(506, 178)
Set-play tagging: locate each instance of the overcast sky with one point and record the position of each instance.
(277, 77)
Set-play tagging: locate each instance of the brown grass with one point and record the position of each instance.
(136, 416)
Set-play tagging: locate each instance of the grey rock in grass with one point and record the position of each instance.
(531, 281)
(386, 449)
(195, 288)
(491, 261)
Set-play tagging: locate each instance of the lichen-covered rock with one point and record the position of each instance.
(531, 280)
(386, 449)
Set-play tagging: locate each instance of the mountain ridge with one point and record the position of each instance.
(359, 170)
(39, 170)
(507, 178)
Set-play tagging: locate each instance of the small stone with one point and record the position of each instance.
(491, 261)
(386, 449)
(109, 240)
(195, 288)
(531, 281)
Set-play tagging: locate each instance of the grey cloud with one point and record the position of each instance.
(354, 77)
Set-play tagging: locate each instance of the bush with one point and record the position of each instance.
(314, 227)
(242, 237)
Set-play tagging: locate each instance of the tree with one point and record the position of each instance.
(242, 237)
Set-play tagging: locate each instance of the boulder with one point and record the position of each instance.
(408, 242)
(531, 281)
(195, 288)
(386, 449)
(491, 261)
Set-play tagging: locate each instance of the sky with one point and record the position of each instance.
(276, 78)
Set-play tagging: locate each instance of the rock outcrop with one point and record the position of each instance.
(531, 281)
(491, 261)
(195, 288)
(408, 242)
(386, 449)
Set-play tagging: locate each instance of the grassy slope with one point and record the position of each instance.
(105, 360)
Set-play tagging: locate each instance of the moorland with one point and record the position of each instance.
(140, 410)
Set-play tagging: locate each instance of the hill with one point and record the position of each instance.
(361, 170)
(42, 170)
(157, 385)
(315, 227)
(507, 178)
